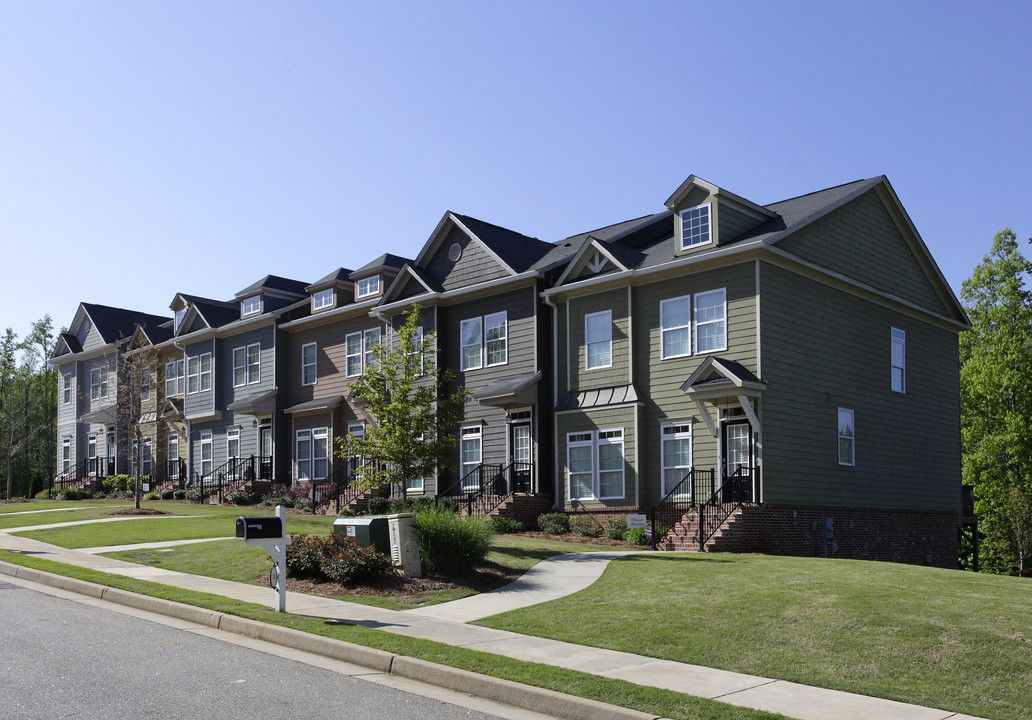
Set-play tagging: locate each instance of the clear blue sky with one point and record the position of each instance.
(149, 148)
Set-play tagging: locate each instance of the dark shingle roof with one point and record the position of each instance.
(516, 250)
(337, 276)
(72, 342)
(385, 260)
(216, 312)
(274, 282)
(118, 323)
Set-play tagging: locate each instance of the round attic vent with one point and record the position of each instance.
(455, 252)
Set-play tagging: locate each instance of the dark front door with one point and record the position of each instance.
(111, 454)
(737, 469)
(522, 463)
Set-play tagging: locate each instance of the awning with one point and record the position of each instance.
(720, 380)
(599, 397)
(257, 404)
(518, 390)
(148, 417)
(101, 416)
(315, 405)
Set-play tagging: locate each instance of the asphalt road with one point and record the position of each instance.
(63, 659)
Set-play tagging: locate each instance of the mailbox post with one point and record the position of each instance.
(271, 534)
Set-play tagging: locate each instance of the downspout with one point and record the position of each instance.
(186, 421)
(637, 407)
(555, 397)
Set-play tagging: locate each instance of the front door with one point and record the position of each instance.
(522, 463)
(738, 462)
(111, 454)
(265, 448)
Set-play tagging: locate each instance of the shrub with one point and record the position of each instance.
(450, 543)
(303, 505)
(554, 523)
(118, 484)
(502, 524)
(305, 553)
(348, 562)
(71, 494)
(193, 495)
(168, 494)
(585, 525)
(637, 536)
(150, 496)
(274, 500)
(616, 528)
(100, 495)
(379, 505)
(178, 494)
(241, 498)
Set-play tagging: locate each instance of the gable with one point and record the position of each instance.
(862, 241)
(411, 288)
(474, 264)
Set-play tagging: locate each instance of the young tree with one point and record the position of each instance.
(996, 390)
(414, 412)
(135, 378)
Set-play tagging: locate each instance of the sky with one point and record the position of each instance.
(154, 148)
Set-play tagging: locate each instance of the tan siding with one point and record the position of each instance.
(907, 445)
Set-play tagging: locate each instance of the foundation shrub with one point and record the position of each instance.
(584, 525)
(502, 524)
(554, 523)
(451, 544)
(616, 528)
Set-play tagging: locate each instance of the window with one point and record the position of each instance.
(598, 339)
(675, 321)
(145, 377)
(372, 341)
(66, 455)
(415, 358)
(250, 305)
(322, 300)
(67, 389)
(146, 463)
(899, 361)
(308, 364)
(205, 372)
(846, 439)
(232, 443)
(595, 463)
(356, 431)
(198, 373)
(710, 325)
(91, 447)
(695, 226)
(496, 338)
(180, 316)
(206, 456)
(471, 337)
(470, 450)
(173, 449)
(676, 441)
(98, 383)
(368, 286)
(192, 367)
(247, 365)
(175, 377)
(312, 454)
(360, 351)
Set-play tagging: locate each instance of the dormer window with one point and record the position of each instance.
(180, 316)
(322, 299)
(368, 286)
(695, 226)
(250, 305)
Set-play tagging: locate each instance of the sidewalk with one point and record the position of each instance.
(445, 624)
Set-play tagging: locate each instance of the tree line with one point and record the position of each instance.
(28, 410)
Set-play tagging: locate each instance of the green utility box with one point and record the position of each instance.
(371, 530)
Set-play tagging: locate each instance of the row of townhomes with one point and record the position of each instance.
(790, 369)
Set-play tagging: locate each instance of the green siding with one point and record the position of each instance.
(593, 420)
(618, 373)
(860, 240)
(907, 445)
(731, 223)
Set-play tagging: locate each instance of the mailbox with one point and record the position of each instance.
(259, 528)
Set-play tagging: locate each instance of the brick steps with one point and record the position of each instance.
(723, 533)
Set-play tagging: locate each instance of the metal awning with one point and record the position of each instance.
(257, 404)
(518, 390)
(315, 405)
(599, 397)
(101, 416)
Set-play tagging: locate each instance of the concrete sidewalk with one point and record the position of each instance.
(791, 699)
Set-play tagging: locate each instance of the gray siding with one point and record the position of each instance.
(576, 359)
(907, 445)
(224, 366)
(202, 403)
(475, 266)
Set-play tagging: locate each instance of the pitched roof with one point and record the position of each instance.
(340, 275)
(118, 323)
(385, 260)
(215, 312)
(274, 282)
(516, 250)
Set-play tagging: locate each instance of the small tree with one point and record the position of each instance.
(1012, 527)
(133, 367)
(414, 412)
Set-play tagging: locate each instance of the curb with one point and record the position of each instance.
(526, 697)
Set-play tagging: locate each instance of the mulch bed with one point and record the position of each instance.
(398, 587)
(134, 511)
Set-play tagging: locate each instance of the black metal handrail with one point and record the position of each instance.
(682, 497)
(487, 486)
(698, 490)
(737, 488)
(340, 484)
(234, 471)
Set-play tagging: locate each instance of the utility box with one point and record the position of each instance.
(405, 544)
(370, 530)
(258, 528)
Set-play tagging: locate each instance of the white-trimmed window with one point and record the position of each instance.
(899, 361)
(146, 462)
(91, 447)
(173, 448)
(676, 442)
(250, 305)
(312, 454)
(175, 377)
(356, 430)
(180, 316)
(360, 351)
(247, 365)
(695, 226)
(496, 338)
(145, 382)
(98, 383)
(471, 335)
(66, 455)
(232, 443)
(367, 286)
(206, 453)
(206, 371)
(322, 300)
(309, 373)
(598, 340)
(675, 322)
(595, 465)
(711, 321)
(846, 438)
(371, 356)
(470, 449)
(415, 358)
(192, 369)
(66, 393)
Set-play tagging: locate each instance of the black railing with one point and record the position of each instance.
(681, 498)
(234, 471)
(738, 488)
(699, 490)
(487, 486)
(341, 486)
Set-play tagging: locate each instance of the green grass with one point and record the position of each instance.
(947, 639)
(37, 505)
(662, 703)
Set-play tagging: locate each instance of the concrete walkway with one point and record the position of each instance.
(791, 699)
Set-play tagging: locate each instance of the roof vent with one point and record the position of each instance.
(455, 252)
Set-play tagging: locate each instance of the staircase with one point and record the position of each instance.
(721, 534)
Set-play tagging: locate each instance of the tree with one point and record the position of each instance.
(996, 391)
(136, 372)
(413, 409)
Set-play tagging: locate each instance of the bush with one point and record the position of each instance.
(554, 523)
(117, 484)
(379, 505)
(637, 536)
(274, 500)
(178, 494)
(502, 524)
(305, 553)
(348, 562)
(74, 494)
(150, 496)
(168, 494)
(450, 543)
(616, 528)
(193, 495)
(303, 505)
(241, 498)
(585, 525)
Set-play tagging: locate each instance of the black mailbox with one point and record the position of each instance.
(259, 528)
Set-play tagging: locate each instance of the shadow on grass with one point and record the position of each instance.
(662, 557)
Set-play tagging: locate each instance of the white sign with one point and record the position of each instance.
(349, 530)
(635, 521)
